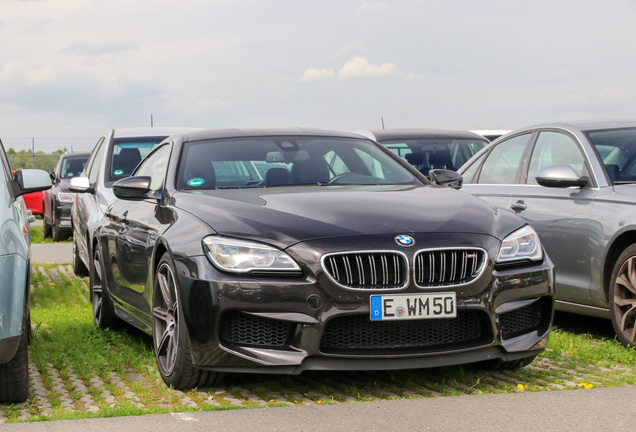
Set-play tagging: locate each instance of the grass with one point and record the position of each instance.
(89, 372)
(37, 236)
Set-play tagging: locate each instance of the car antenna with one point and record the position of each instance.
(151, 122)
(382, 119)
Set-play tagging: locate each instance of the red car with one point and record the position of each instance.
(34, 201)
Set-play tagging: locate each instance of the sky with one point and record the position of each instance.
(75, 68)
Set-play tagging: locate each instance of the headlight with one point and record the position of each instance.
(521, 245)
(241, 256)
(65, 197)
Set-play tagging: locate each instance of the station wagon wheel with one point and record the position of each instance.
(170, 336)
(103, 313)
(622, 297)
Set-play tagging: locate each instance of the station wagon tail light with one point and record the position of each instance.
(240, 256)
(521, 245)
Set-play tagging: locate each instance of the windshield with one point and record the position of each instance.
(426, 154)
(127, 153)
(278, 161)
(73, 166)
(617, 149)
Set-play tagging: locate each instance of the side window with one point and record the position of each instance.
(554, 148)
(335, 162)
(470, 172)
(94, 162)
(503, 161)
(155, 167)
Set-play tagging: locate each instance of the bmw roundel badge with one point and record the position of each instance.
(404, 240)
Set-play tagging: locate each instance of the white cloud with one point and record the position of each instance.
(317, 74)
(359, 67)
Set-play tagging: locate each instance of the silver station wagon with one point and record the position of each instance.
(575, 184)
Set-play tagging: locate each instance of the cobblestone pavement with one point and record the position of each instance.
(53, 394)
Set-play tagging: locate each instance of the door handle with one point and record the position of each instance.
(519, 205)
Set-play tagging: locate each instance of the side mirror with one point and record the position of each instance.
(132, 188)
(80, 185)
(444, 177)
(560, 176)
(30, 180)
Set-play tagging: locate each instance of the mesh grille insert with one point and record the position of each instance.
(521, 321)
(357, 334)
(243, 329)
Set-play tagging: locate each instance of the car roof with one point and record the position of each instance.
(236, 133)
(587, 125)
(80, 154)
(406, 133)
(151, 131)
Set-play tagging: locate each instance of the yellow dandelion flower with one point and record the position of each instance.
(522, 387)
(319, 402)
(589, 386)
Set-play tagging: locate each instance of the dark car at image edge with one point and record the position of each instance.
(280, 251)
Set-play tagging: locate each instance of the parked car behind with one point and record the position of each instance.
(491, 134)
(575, 184)
(428, 149)
(15, 277)
(34, 202)
(114, 157)
(58, 200)
(280, 251)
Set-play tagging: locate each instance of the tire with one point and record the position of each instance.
(46, 229)
(78, 265)
(103, 311)
(622, 297)
(56, 233)
(14, 376)
(170, 336)
(498, 364)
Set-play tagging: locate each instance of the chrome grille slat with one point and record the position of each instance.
(368, 270)
(445, 267)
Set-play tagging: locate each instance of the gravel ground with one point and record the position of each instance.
(250, 391)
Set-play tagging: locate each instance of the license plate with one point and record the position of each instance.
(413, 306)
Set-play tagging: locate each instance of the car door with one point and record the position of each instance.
(87, 206)
(132, 230)
(493, 177)
(561, 216)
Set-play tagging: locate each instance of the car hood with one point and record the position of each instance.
(627, 189)
(287, 215)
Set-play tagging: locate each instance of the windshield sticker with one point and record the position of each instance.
(196, 182)
(118, 172)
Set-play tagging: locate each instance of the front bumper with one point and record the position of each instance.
(289, 325)
(63, 215)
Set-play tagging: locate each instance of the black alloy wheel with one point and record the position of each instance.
(170, 336)
(622, 297)
(103, 312)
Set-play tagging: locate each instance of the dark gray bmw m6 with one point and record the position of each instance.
(280, 251)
